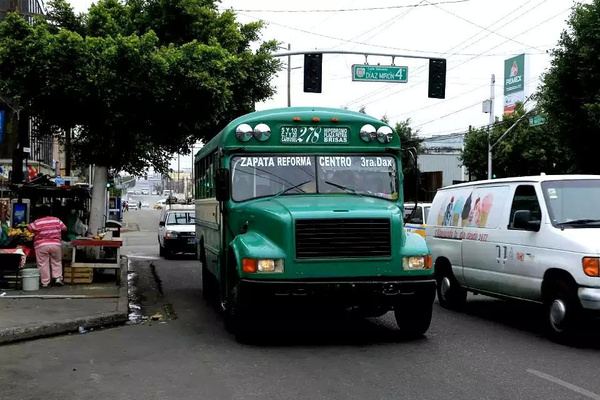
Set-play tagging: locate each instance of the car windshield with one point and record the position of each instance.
(259, 176)
(181, 218)
(570, 202)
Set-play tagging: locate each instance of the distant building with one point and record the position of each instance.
(441, 156)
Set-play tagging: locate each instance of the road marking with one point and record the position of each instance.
(568, 385)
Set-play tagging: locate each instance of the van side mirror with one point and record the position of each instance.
(161, 223)
(522, 221)
(222, 184)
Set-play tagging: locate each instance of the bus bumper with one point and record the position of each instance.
(337, 293)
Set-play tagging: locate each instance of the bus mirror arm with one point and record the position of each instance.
(222, 185)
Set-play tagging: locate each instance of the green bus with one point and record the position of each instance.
(303, 207)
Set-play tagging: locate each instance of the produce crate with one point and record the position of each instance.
(77, 275)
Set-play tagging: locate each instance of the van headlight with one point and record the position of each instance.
(172, 234)
(416, 263)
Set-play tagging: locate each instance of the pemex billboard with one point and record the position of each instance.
(515, 74)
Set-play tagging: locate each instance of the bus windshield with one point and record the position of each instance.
(267, 175)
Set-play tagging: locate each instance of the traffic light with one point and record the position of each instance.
(437, 78)
(108, 184)
(313, 71)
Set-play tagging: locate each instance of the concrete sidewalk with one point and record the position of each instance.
(56, 310)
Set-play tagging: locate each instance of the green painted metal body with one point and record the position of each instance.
(263, 228)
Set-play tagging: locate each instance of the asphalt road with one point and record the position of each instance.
(494, 350)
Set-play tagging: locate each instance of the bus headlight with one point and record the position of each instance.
(243, 132)
(416, 263)
(251, 265)
(368, 133)
(385, 134)
(262, 132)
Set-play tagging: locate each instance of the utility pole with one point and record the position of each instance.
(491, 127)
(289, 76)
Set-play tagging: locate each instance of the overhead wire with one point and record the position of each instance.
(351, 9)
(464, 46)
(478, 55)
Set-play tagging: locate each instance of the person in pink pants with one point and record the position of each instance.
(48, 252)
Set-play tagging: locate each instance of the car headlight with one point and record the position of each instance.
(172, 234)
(416, 263)
(251, 265)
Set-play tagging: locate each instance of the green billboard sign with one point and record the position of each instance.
(379, 73)
(514, 73)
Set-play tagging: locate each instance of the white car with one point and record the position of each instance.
(145, 191)
(133, 205)
(177, 231)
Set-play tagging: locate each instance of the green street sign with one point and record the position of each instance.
(537, 120)
(379, 73)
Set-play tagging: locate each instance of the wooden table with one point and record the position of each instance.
(114, 242)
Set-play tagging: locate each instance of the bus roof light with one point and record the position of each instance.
(368, 132)
(262, 132)
(385, 134)
(296, 119)
(335, 119)
(316, 119)
(243, 132)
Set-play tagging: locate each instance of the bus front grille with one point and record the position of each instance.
(343, 238)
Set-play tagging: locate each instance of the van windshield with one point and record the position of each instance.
(571, 203)
(181, 218)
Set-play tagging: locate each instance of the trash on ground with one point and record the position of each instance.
(82, 330)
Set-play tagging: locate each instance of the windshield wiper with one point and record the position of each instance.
(292, 188)
(580, 222)
(347, 189)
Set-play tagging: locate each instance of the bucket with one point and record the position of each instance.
(31, 279)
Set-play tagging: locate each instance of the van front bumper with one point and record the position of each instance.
(338, 293)
(590, 298)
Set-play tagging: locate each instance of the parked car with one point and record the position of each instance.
(416, 222)
(177, 231)
(528, 238)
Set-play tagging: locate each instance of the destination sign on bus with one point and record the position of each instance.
(315, 135)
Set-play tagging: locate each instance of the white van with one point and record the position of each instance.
(529, 238)
(416, 221)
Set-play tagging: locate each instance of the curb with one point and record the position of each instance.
(35, 331)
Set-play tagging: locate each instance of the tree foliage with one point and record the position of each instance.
(524, 151)
(139, 79)
(571, 87)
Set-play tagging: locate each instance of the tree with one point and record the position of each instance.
(569, 93)
(139, 80)
(410, 143)
(524, 151)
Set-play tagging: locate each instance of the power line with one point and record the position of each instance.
(479, 26)
(354, 9)
(479, 55)
(418, 69)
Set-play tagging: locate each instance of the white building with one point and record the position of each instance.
(441, 154)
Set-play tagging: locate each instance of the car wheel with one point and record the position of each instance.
(449, 292)
(563, 311)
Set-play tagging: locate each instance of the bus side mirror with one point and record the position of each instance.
(222, 184)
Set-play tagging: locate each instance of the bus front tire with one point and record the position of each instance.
(413, 316)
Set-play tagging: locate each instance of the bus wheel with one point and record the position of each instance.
(413, 316)
(208, 286)
(235, 315)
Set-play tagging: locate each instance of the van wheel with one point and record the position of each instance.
(449, 292)
(563, 311)
(161, 250)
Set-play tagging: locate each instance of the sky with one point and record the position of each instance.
(475, 36)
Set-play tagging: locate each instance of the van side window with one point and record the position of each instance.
(525, 199)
